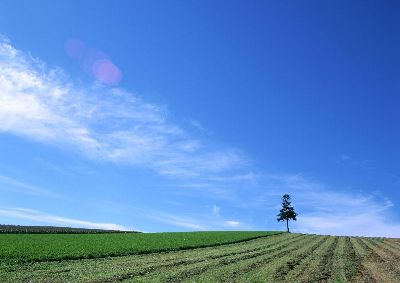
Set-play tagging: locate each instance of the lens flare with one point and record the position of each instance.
(106, 72)
(93, 62)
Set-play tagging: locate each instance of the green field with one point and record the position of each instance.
(270, 257)
(41, 247)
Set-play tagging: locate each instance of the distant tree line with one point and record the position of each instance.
(17, 229)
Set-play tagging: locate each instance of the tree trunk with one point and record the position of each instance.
(287, 225)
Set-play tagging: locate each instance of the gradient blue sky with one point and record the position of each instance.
(199, 115)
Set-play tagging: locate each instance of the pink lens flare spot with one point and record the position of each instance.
(105, 71)
(89, 60)
(75, 48)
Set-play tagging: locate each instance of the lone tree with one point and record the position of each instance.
(287, 211)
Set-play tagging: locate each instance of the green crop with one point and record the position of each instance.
(40, 247)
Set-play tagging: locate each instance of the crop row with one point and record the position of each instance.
(382, 264)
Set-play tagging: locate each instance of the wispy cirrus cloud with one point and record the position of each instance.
(209, 218)
(200, 222)
(50, 219)
(353, 162)
(179, 221)
(11, 184)
(364, 223)
(109, 124)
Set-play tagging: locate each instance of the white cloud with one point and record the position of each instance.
(40, 217)
(339, 213)
(232, 223)
(108, 124)
(371, 224)
(344, 158)
(196, 124)
(216, 210)
(244, 177)
(353, 162)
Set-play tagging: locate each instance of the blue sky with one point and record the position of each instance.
(199, 115)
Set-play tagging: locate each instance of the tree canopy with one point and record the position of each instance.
(287, 211)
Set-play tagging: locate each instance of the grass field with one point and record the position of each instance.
(270, 258)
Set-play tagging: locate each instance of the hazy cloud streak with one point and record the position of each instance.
(11, 184)
(37, 216)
